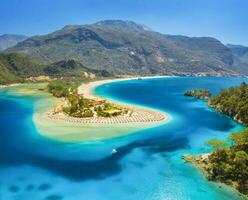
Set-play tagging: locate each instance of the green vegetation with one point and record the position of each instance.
(123, 47)
(217, 144)
(63, 88)
(16, 68)
(73, 68)
(200, 94)
(109, 110)
(77, 105)
(233, 102)
(115, 47)
(230, 164)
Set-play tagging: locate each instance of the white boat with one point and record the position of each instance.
(114, 151)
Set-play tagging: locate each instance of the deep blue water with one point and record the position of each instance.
(148, 164)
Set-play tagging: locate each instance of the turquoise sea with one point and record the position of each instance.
(147, 165)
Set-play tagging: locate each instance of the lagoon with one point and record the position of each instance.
(147, 164)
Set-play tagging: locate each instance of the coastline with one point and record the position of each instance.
(200, 162)
(87, 88)
(137, 114)
(155, 134)
(213, 165)
(69, 129)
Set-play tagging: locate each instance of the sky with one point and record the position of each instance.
(226, 20)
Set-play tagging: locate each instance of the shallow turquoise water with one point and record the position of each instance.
(148, 164)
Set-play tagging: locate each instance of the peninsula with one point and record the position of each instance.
(97, 119)
(83, 106)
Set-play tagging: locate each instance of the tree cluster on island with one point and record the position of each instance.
(199, 94)
(78, 105)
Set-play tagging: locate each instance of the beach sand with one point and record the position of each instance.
(135, 114)
(68, 129)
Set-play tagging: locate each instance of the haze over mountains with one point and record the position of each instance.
(10, 40)
(239, 51)
(126, 48)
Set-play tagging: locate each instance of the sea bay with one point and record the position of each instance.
(147, 164)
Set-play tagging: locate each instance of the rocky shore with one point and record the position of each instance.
(200, 161)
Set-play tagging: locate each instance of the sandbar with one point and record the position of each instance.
(64, 128)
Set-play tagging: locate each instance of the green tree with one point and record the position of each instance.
(241, 170)
(239, 137)
(217, 144)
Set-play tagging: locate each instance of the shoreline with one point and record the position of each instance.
(87, 88)
(137, 114)
(69, 129)
(66, 129)
(200, 162)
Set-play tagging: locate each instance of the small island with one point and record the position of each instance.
(228, 163)
(199, 94)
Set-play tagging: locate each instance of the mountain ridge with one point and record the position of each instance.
(240, 52)
(124, 47)
(9, 40)
(15, 68)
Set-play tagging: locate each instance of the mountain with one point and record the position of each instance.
(15, 68)
(240, 52)
(72, 68)
(10, 40)
(18, 68)
(124, 47)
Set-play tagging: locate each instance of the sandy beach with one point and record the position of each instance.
(136, 114)
(9, 85)
(87, 88)
(64, 128)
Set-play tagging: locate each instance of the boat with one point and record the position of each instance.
(114, 151)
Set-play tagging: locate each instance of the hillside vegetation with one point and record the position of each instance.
(230, 164)
(18, 68)
(15, 68)
(68, 68)
(199, 94)
(79, 106)
(115, 47)
(124, 47)
(233, 102)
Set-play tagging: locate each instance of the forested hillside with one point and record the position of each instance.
(124, 47)
(15, 68)
(233, 102)
(18, 68)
